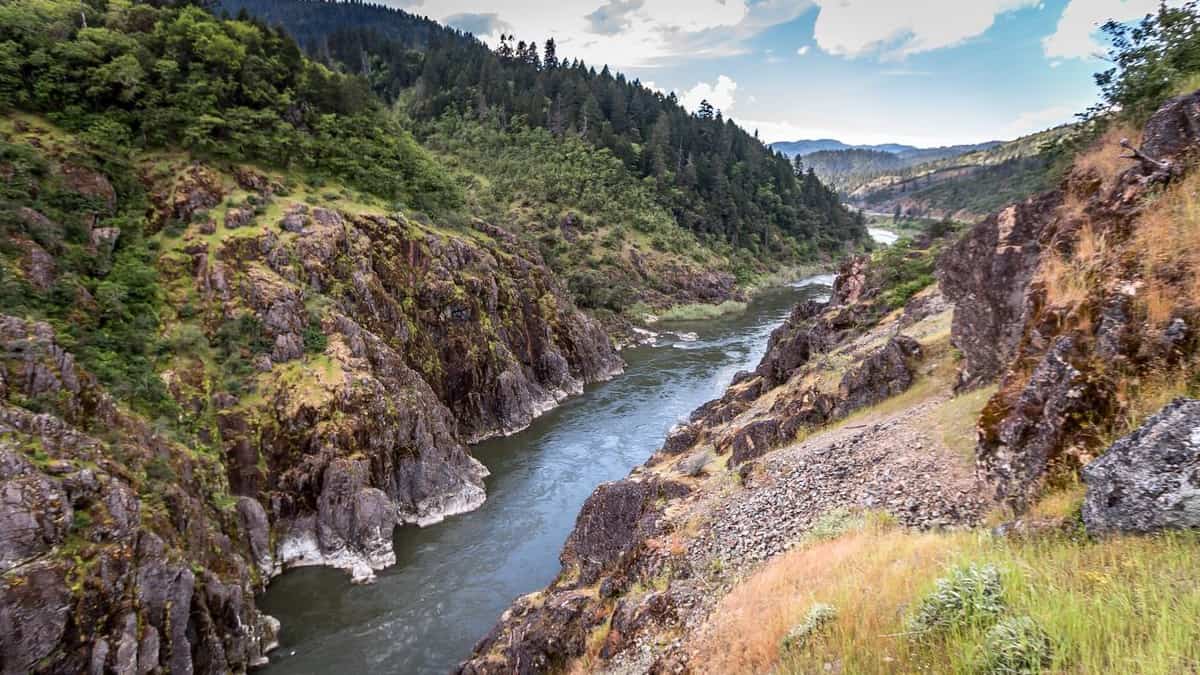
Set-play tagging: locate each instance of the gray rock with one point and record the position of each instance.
(296, 219)
(34, 511)
(237, 217)
(257, 532)
(1149, 480)
(33, 616)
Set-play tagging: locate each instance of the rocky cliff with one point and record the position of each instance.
(646, 551)
(1081, 302)
(319, 363)
(121, 550)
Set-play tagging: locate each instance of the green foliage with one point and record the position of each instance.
(104, 306)
(1151, 61)
(833, 524)
(236, 90)
(819, 616)
(1015, 646)
(159, 469)
(315, 339)
(702, 312)
(970, 596)
(713, 177)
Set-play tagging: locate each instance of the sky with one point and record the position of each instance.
(922, 72)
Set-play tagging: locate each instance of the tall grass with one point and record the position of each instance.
(702, 312)
(1122, 605)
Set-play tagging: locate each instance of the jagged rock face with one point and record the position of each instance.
(608, 539)
(1150, 479)
(1060, 361)
(613, 520)
(618, 535)
(987, 275)
(881, 375)
(434, 341)
(93, 577)
(735, 424)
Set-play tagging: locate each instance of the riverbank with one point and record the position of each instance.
(450, 581)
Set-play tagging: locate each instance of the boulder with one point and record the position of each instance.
(34, 608)
(1150, 479)
(89, 183)
(237, 217)
(35, 513)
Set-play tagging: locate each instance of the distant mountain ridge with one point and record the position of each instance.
(807, 147)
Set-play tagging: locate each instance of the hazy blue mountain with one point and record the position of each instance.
(803, 148)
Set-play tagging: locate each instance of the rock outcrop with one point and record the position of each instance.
(321, 372)
(1063, 321)
(631, 560)
(805, 393)
(115, 552)
(987, 275)
(540, 632)
(1150, 479)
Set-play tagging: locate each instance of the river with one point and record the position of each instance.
(452, 580)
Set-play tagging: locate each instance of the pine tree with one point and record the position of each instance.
(550, 55)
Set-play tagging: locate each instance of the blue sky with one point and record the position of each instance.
(932, 72)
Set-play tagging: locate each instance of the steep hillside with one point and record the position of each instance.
(908, 481)
(968, 186)
(265, 346)
(744, 210)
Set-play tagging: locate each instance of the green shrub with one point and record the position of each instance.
(833, 524)
(969, 596)
(819, 616)
(160, 469)
(315, 339)
(1015, 646)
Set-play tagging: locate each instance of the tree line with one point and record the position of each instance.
(715, 178)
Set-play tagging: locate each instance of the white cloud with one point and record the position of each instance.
(720, 94)
(625, 33)
(1076, 34)
(803, 50)
(894, 29)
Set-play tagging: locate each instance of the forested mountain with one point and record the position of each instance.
(715, 178)
(842, 168)
(969, 185)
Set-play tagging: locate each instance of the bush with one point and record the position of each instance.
(833, 524)
(315, 340)
(819, 616)
(969, 596)
(1015, 646)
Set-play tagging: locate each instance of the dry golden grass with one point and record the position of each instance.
(868, 576)
(1104, 158)
(1120, 605)
(1065, 282)
(1168, 244)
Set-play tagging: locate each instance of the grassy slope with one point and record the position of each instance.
(1126, 604)
(1121, 604)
